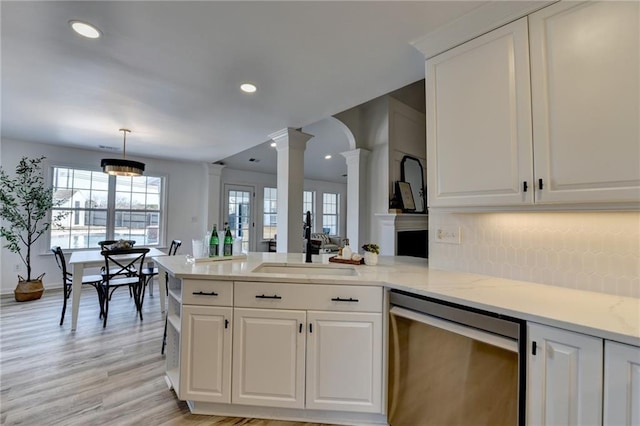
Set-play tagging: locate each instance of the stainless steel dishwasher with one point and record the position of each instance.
(451, 365)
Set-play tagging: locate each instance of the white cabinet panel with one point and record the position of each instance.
(269, 357)
(621, 384)
(344, 361)
(205, 371)
(479, 148)
(564, 377)
(585, 79)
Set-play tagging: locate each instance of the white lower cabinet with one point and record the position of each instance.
(621, 384)
(206, 353)
(564, 377)
(269, 362)
(344, 361)
(316, 347)
(275, 350)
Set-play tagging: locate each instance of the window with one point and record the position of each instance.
(269, 213)
(307, 206)
(330, 213)
(102, 207)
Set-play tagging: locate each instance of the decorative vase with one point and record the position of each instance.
(370, 258)
(29, 290)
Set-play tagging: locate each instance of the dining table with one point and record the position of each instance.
(93, 258)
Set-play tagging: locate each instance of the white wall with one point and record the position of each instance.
(186, 204)
(261, 180)
(594, 251)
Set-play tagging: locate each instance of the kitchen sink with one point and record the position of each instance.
(310, 269)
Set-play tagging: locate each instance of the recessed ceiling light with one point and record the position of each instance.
(327, 157)
(84, 29)
(273, 144)
(248, 87)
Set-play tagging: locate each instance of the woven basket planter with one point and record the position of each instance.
(29, 290)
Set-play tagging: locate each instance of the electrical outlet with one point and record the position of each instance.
(17, 267)
(448, 234)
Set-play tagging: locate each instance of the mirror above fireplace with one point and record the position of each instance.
(411, 171)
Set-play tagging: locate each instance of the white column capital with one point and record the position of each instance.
(291, 139)
(356, 155)
(215, 169)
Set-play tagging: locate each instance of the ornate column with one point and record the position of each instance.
(290, 144)
(356, 196)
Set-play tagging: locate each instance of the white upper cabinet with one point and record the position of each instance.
(568, 133)
(585, 74)
(479, 121)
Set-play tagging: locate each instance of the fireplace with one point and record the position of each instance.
(412, 243)
(403, 234)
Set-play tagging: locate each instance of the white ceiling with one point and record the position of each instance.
(170, 70)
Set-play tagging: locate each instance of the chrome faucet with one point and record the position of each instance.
(307, 236)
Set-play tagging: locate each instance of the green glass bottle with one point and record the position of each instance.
(214, 242)
(228, 241)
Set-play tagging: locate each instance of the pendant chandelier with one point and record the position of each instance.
(122, 166)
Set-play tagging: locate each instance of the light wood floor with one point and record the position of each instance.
(94, 376)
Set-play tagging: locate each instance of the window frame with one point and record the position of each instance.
(313, 208)
(264, 213)
(336, 214)
(111, 208)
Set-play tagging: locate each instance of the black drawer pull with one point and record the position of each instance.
(340, 299)
(202, 293)
(262, 296)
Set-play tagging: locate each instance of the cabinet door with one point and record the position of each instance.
(564, 380)
(586, 101)
(479, 148)
(205, 370)
(621, 384)
(268, 365)
(344, 361)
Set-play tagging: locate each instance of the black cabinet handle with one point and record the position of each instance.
(202, 293)
(524, 186)
(540, 183)
(310, 328)
(534, 348)
(340, 299)
(262, 296)
(226, 323)
(300, 329)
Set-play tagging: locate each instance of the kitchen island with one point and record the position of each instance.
(335, 371)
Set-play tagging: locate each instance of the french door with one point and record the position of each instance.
(238, 212)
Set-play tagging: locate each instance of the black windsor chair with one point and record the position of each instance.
(118, 267)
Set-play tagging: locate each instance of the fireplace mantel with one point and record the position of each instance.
(389, 224)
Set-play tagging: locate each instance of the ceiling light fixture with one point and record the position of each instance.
(84, 29)
(327, 157)
(248, 87)
(122, 166)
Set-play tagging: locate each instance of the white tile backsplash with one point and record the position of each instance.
(595, 251)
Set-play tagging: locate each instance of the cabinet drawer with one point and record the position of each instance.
(347, 298)
(207, 292)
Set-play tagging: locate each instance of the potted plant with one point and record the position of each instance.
(24, 205)
(371, 252)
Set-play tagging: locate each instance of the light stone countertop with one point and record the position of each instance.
(597, 314)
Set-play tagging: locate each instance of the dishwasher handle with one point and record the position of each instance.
(472, 333)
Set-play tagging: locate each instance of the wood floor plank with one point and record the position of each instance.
(93, 376)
